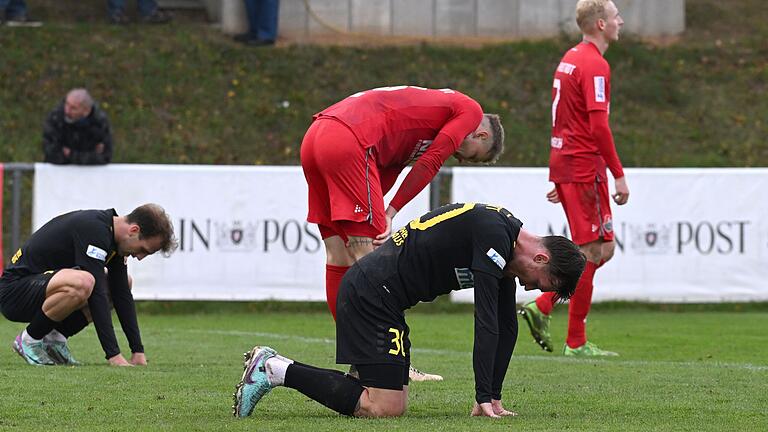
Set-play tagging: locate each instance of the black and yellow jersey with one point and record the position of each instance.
(85, 240)
(443, 250)
(455, 247)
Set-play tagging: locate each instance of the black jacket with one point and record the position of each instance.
(80, 137)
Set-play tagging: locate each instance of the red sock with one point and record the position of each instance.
(333, 275)
(546, 302)
(579, 307)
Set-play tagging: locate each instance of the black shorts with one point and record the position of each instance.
(371, 330)
(384, 376)
(21, 298)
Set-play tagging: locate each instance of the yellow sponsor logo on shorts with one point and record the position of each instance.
(16, 256)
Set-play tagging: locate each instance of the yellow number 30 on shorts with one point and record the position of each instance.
(397, 341)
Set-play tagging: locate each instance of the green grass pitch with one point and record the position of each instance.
(677, 371)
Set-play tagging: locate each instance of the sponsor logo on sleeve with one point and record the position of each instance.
(98, 253)
(599, 89)
(495, 257)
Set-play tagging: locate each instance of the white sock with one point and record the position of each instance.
(285, 359)
(276, 367)
(27, 338)
(55, 336)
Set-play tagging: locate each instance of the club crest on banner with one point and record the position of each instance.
(235, 237)
(650, 239)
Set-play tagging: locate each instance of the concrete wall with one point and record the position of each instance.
(452, 18)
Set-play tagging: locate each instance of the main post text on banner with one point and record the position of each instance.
(242, 230)
(686, 235)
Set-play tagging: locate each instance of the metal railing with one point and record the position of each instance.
(16, 170)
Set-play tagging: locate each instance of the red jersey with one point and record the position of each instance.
(402, 123)
(582, 85)
(408, 124)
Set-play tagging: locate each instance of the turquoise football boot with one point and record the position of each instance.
(32, 352)
(254, 384)
(60, 353)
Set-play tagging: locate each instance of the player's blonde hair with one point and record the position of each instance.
(588, 12)
(497, 145)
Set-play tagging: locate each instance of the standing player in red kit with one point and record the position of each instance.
(355, 149)
(581, 148)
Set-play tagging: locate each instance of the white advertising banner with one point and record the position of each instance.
(686, 235)
(242, 230)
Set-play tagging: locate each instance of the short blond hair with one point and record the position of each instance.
(588, 12)
(497, 145)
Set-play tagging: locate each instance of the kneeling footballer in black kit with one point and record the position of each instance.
(455, 247)
(73, 271)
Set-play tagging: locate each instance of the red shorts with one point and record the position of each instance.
(588, 210)
(345, 196)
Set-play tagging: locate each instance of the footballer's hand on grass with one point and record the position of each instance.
(552, 196)
(499, 410)
(118, 360)
(138, 359)
(484, 410)
(383, 237)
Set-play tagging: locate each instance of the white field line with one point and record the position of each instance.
(551, 358)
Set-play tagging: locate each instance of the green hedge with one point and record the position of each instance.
(184, 93)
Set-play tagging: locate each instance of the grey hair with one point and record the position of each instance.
(497, 145)
(82, 95)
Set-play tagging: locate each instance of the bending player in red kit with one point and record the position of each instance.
(355, 149)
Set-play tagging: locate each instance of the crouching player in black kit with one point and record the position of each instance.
(57, 281)
(454, 247)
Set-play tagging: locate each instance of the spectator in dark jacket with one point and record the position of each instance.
(77, 132)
